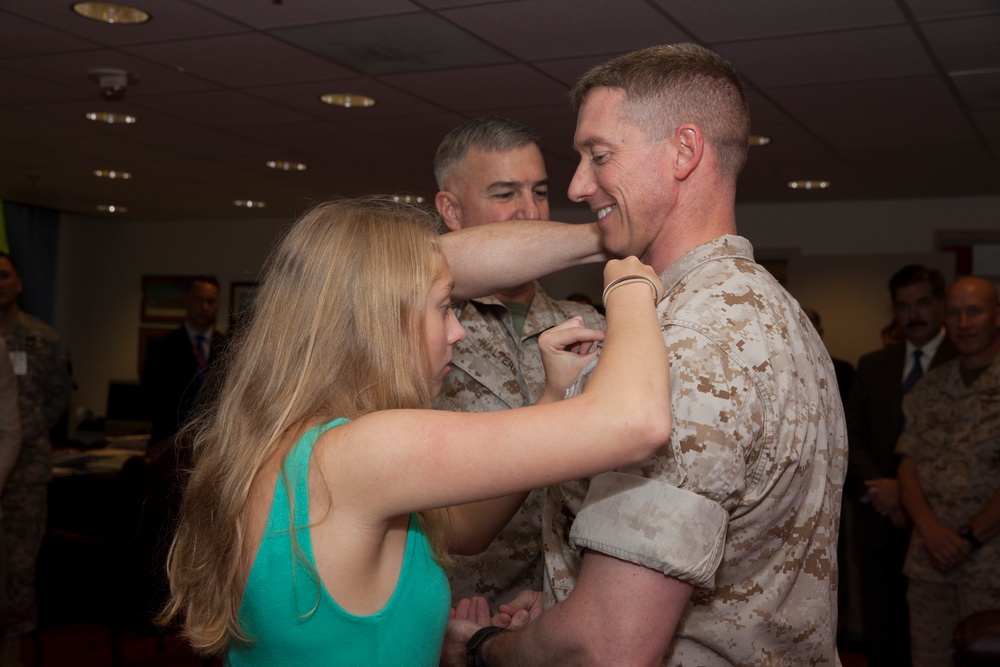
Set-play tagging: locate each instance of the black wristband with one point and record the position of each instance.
(965, 532)
(473, 647)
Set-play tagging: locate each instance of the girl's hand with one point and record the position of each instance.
(566, 349)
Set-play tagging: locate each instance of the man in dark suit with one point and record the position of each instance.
(874, 422)
(177, 364)
(843, 369)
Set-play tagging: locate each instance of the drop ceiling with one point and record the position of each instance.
(886, 99)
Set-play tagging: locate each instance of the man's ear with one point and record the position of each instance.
(690, 145)
(449, 208)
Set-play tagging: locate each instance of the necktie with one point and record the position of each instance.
(200, 352)
(915, 373)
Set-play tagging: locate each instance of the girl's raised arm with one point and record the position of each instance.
(398, 461)
(488, 258)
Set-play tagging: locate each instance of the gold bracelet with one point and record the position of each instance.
(625, 280)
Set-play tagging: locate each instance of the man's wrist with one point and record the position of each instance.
(474, 647)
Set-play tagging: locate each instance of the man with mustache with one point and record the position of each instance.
(874, 421)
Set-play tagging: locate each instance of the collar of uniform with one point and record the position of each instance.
(540, 305)
(718, 248)
(493, 301)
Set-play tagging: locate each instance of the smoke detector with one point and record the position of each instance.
(113, 82)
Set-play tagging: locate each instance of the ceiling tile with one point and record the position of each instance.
(980, 90)
(403, 43)
(222, 108)
(482, 88)
(389, 100)
(169, 19)
(829, 57)
(262, 60)
(524, 29)
(966, 44)
(20, 37)
(923, 9)
(73, 70)
(723, 20)
(861, 99)
(569, 70)
(282, 14)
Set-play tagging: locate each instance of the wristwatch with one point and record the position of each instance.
(965, 532)
(474, 646)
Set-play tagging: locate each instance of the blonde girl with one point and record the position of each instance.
(326, 497)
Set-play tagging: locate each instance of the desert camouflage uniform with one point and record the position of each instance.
(952, 432)
(493, 369)
(44, 387)
(744, 501)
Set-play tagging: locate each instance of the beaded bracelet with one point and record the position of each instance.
(625, 280)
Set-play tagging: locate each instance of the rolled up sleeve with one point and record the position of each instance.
(654, 524)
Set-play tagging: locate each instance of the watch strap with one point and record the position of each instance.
(473, 647)
(965, 532)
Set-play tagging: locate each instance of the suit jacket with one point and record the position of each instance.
(171, 380)
(875, 420)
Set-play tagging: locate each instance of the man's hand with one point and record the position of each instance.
(566, 349)
(946, 548)
(463, 622)
(884, 495)
(520, 611)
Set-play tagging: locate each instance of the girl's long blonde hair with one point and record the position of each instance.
(336, 331)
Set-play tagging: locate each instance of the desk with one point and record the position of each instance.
(108, 461)
(111, 515)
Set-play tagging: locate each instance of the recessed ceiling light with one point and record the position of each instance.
(249, 203)
(113, 174)
(808, 185)
(347, 100)
(759, 140)
(286, 166)
(111, 208)
(111, 118)
(408, 199)
(110, 12)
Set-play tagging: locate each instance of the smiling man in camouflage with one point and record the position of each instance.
(490, 170)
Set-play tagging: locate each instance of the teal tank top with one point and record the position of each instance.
(292, 618)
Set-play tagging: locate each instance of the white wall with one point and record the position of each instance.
(101, 264)
(840, 257)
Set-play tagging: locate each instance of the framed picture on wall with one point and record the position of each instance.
(240, 301)
(163, 298)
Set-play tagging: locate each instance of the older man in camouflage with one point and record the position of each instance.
(949, 477)
(41, 365)
(721, 549)
(491, 170)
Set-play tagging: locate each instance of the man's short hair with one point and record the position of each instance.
(489, 133)
(667, 86)
(912, 274)
(211, 280)
(10, 259)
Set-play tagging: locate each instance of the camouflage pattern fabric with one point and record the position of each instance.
(941, 607)
(744, 500)
(494, 369)
(952, 432)
(44, 384)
